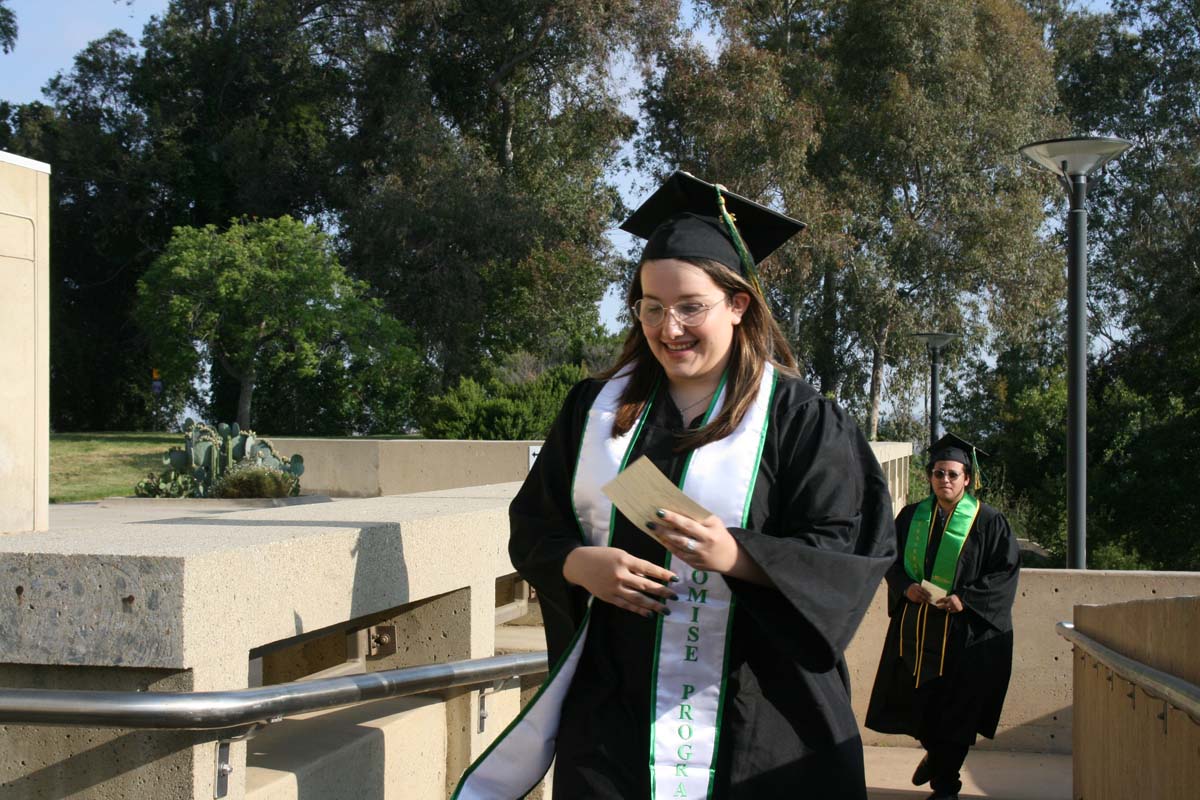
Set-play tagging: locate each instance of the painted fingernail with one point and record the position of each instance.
(674, 579)
(660, 513)
(675, 597)
(651, 525)
(666, 612)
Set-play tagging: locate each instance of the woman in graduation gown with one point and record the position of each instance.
(946, 663)
(707, 661)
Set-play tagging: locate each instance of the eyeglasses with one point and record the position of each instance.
(947, 473)
(652, 313)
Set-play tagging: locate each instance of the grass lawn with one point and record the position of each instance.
(90, 466)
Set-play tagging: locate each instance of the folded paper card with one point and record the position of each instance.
(641, 489)
(935, 592)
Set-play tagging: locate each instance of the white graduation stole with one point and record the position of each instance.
(692, 646)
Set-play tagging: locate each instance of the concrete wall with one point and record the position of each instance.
(375, 467)
(1127, 742)
(24, 343)
(185, 604)
(1037, 714)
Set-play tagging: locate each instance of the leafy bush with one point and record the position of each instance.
(248, 479)
(498, 409)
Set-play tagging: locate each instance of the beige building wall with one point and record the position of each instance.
(24, 343)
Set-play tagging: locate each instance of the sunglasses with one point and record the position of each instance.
(947, 473)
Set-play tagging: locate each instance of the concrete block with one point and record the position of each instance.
(201, 595)
(389, 750)
(48, 763)
(24, 343)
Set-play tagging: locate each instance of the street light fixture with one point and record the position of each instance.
(1073, 160)
(934, 342)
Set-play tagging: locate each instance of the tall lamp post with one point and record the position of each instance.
(1073, 160)
(935, 342)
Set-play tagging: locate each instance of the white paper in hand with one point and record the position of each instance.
(935, 592)
(641, 489)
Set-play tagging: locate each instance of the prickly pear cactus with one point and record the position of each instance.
(207, 454)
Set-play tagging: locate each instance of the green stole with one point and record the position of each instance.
(926, 655)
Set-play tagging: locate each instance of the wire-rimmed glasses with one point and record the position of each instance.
(652, 313)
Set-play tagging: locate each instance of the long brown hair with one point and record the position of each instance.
(756, 341)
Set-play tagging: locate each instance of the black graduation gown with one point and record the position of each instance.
(819, 526)
(966, 700)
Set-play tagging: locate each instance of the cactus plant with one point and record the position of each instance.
(207, 454)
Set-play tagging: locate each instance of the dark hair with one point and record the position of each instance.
(757, 340)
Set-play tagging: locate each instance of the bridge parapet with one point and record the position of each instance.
(215, 603)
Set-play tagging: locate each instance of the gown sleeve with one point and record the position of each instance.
(990, 596)
(828, 539)
(543, 528)
(897, 577)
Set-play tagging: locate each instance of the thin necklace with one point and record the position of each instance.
(686, 409)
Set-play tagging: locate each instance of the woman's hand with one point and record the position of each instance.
(951, 603)
(916, 593)
(616, 577)
(708, 545)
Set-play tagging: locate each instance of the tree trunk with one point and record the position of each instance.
(506, 146)
(245, 395)
(825, 349)
(877, 360)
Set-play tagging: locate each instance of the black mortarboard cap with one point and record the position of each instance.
(955, 448)
(684, 219)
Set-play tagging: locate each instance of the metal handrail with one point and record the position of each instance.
(242, 707)
(1180, 693)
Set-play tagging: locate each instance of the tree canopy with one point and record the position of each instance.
(265, 297)
(455, 167)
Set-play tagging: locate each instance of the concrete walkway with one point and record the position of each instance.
(993, 774)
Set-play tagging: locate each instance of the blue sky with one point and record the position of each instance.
(51, 32)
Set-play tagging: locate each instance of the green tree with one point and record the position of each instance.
(110, 212)
(261, 297)
(228, 110)
(893, 129)
(1134, 72)
(8, 28)
(475, 198)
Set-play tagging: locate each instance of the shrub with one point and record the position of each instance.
(207, 454)
(248, 479)
(501, 410)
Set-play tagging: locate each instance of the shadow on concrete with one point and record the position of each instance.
(110, 760)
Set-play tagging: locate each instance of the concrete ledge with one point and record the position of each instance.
(381, 467)
(198, 596)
